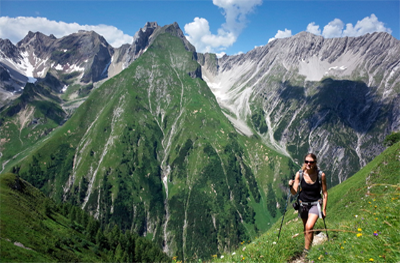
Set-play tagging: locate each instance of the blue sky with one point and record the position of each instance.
(228, 26)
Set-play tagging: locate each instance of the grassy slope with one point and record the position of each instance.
(23, 220)
(26, 122)
(367, 204)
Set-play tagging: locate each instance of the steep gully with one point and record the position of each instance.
(166, 143)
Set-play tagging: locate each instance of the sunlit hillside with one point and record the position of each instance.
(363, 222)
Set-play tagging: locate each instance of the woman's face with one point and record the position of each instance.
(309, 162)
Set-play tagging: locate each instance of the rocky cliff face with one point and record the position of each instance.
(85, 52)
(80, 58)
(336, 97)
(141, 41)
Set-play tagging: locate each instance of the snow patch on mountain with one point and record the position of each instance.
(315, 68)
(75, 67)
(58, 67)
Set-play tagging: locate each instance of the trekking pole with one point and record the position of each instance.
(325, 228)
(287, 201)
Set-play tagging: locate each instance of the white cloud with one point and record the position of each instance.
(200, 36)
(235, 12)
(220, 55)
(334, 28)
(367, 25)
(17, 28)
(281, 34)
(314, 29)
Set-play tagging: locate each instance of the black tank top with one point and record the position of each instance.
(310, 192)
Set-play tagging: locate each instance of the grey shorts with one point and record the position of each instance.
(305, 210)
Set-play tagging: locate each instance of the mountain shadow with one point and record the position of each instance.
(353, 103)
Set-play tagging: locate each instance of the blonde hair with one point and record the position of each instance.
(314, 158)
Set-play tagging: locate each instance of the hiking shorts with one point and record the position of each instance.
(305, 210)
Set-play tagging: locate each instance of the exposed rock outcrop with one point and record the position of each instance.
(337, 97)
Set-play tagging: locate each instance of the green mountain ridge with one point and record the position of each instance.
(151, 151)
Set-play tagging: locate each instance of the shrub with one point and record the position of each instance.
(391, 139)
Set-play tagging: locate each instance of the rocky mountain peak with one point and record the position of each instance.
(150, 25)
(7, 49)
(175, 30)
(141, 41)
(37, 41)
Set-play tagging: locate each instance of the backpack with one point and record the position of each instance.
(296, 205)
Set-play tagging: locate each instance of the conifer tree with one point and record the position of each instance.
(78, 215)
(47, 207)
(113, 237)
(72, 214)
(125, 257)
(84, 219)
(65, 209)
(91, 229)
(101, 240)
(118, 254)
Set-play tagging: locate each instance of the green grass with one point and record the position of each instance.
(362, 220)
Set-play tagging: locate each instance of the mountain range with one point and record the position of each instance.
(190, 150)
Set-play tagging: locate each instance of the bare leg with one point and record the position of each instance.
(309, 225)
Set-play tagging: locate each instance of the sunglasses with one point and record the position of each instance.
(310, 162)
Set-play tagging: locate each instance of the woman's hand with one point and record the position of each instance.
(291, 183)
(324, 213)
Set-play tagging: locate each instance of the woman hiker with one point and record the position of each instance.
(310, 180)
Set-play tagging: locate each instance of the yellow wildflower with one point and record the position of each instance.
(359, 235)
(371, 259)
(359, 230)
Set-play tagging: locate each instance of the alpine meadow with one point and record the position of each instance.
(154, 152)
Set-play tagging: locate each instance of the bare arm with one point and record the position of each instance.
(294, 184)
(324, 193)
